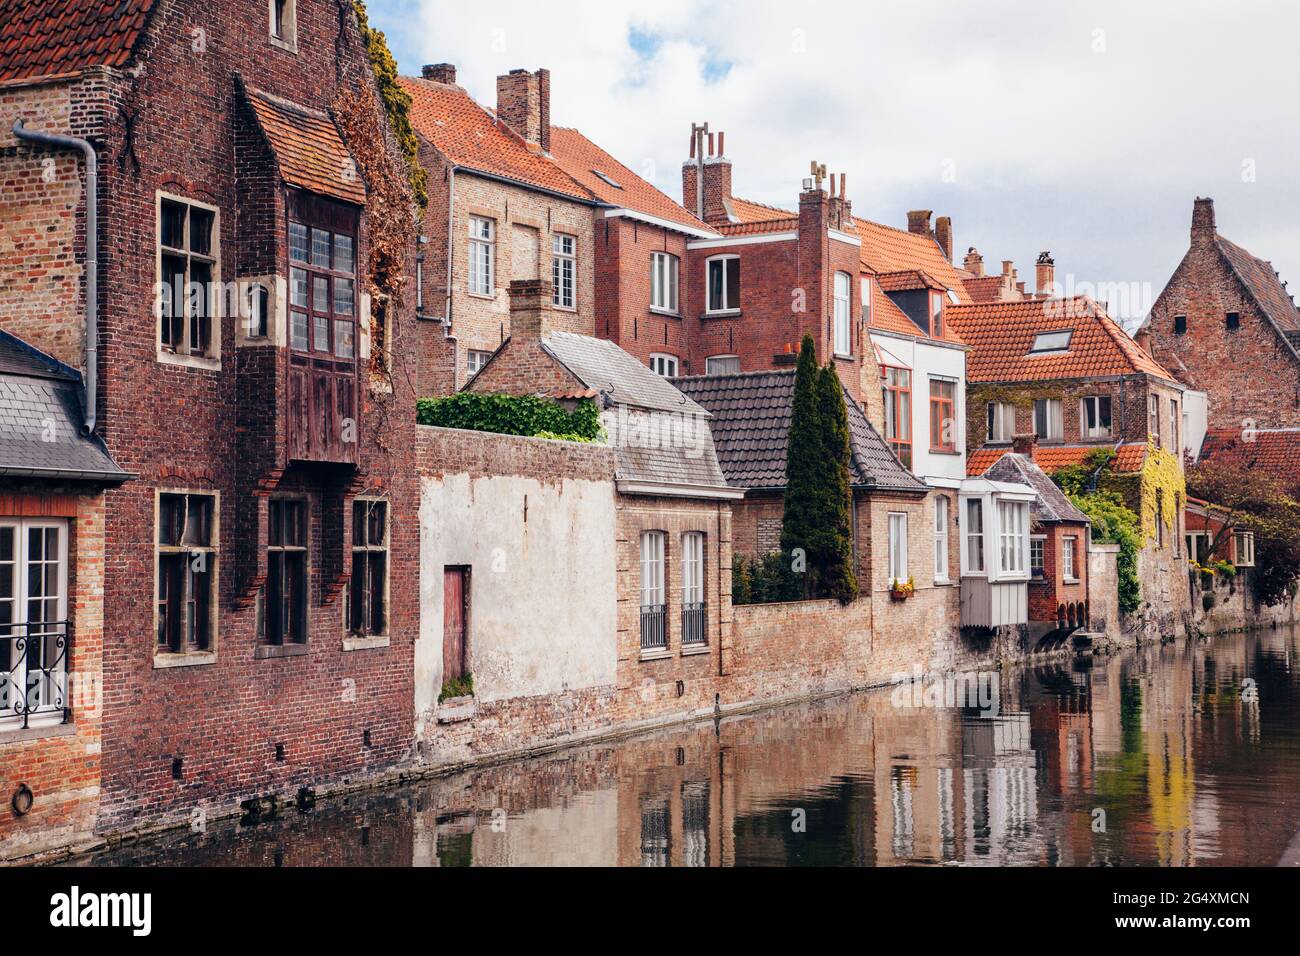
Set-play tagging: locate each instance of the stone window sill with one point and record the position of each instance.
(481, 295)
(665, 313)
(691, 650)
(365, 643)
(189, 361)
(197, 659)
(724, 314)
(266, 651)
(36, 732)
(658, 654)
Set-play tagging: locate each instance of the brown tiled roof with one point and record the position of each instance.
(1262, 282)
(308, 148)
(907, 280)
(55, 37)
(886, 249)
(472, 137)
(1001, 334)
(582, 159)
(751, 425)
(746, 210)
(758, 228)
(1129, 457)
(1276, 451)
(984, 288)
(1051, 505)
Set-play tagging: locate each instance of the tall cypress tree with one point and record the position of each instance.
(804, 512)
(835, 564)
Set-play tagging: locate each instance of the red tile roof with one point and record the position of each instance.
(54, 37)
(470, 136)
(308, 148)
(1275, 451)
(886, 249)
(984, 288)
(758, 227)
(1001, 334)
(746, 210)
(582, 159)
(1129, 457)
(907, 280)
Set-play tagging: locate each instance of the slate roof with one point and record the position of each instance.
(751, 425)
(1000, 335)
(308, 148)
(1129, 457)
(57, 37)
(604, 366)
(473, 137)
(581, 160)
(41, 417)
(1262, 283)
(1275, 451)
(1050, 505)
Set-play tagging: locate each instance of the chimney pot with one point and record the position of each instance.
(1025, 444)
(439, 72)
(1203, 227)
(943, 235)
(530, 301)
(974, 262)
(918, 222)
(1045, 273)
(524, 104)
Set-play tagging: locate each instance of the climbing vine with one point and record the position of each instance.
(1161, 480)
(397, 102)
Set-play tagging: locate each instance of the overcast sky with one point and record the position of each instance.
(1082, 128)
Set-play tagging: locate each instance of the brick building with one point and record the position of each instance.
(259, 572)
(1226, 324)
(52, 481)
(500, 209)
(1065, 373)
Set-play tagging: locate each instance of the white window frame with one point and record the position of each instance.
(564, 270)
(710, 370)
(974, 560)
(727, 306)
(843, 293)
(1013, 538)
(653, 546)
(1069, 558)
(665, 283)
(864, 289)
(898, 547)
(942, 507)
(1047, 343)
(662, 363)
(1153, 417)
(209, 356)
(1246, 538)
(52, 697)
(1000, 422)
(1174, 421)
(1039, 540)
(692, 567)
(1097, 433)
(287, 38)
(475, 359)
(481, 256)
(1053, 419)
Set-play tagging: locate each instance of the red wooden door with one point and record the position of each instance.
(453, 623)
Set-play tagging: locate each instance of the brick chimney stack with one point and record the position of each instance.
(1203, 229)
(530, 303)
(943, 235)
(707, 156)
(439, 72)
(918, 222)
(974, 262)
(524, 104)
(1025, 445)
(1045, 273)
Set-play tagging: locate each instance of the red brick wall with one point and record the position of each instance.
(1048, 594)
(624, 248)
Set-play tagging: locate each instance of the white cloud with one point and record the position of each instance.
(1086, 129)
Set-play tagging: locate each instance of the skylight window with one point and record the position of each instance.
(952, 297)
(606, 179)
(1052, 341)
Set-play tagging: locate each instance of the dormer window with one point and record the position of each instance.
(1052, 342)
(936, 314)
(284, 24)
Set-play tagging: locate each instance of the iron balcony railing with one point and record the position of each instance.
(34, 670)
(654, 630)
(693, 624)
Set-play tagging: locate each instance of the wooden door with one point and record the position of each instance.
(454, 582)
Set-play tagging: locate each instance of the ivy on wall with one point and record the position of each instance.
(525, 415)
(1161, 479)
(397, 102)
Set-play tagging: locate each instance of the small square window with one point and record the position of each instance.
(1232, 321)
(1180, 325)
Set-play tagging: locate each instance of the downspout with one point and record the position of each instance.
(92, 256)
(451, 259)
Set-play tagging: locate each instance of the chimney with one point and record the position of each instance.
(1025, 445)
(974, 262)
(1203, 229)
(918, 222)
(530, 300)
(943, 235)
(439, 72)
(712, 202)
(1143, 338)
(1045, 273)
(524, 104)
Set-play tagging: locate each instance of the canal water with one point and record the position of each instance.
(1182, 755)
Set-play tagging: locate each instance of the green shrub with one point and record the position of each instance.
(457, 687)
(513, 415)
(770, 579)
(1113, 522)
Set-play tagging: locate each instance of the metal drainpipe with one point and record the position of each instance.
(451, 259)
(92, 255)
